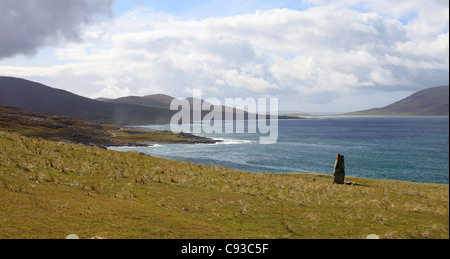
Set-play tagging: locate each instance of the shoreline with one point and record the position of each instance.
(310, 116)
(358, 179)
(170, 199)
(183, 138)
(76, 131)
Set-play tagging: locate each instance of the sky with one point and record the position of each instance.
(314, 55)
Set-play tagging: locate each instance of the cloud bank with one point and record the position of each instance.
(305, 56)
(25, 25)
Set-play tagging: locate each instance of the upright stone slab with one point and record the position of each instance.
(339, 170)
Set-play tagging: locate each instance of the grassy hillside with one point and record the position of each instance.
(73, 130)
(431, 101)
(51, 189)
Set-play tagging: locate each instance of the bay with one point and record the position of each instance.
(414, 149)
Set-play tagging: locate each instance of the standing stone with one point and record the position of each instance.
(339, 170)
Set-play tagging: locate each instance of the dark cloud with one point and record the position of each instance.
(26, 25)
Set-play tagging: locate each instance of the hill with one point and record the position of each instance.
(133, 110)
(102, 99)
(163, 101)
(54, 189)
(431, 101)
(157, 100)
(36, 97)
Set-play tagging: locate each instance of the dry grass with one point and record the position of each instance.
(50, 189)
(74, 130)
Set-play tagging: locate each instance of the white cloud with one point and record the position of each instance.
(26, 26)
(313, 55)
(383, 77)
(111, 88)
(435, 49)
(243, 80)
(426, 18)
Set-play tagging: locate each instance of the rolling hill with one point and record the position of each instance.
(36, 97)
(157, 100)
(133, 110)
(163, 101)
(431, 101)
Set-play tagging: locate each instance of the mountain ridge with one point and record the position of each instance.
(155, 109)
(157, 100)
(427, 102)
(133, 110)
(37, 97)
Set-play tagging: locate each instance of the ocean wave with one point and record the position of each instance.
(233, 141)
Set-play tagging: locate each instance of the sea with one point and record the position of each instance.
(414, 149)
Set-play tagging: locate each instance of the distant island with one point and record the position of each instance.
(432, 101)
(428, 102)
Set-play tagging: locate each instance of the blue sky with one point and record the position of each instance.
(212, 8)
(204, 9)
(314, 55)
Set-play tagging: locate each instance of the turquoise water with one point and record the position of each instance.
(412, 149)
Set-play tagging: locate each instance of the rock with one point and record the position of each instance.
(372, 236)
(194, 139)
(339, 170)
(72, 236)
